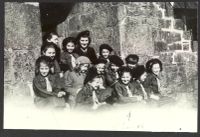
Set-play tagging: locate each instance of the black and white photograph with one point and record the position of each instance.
(101, 66)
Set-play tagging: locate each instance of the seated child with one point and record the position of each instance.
(74, 80)
(132, 62)
(91, 95)
(152, 82)
(68, 57)
(112, 75)
(105, 52)
(46, 85)
(140, 76)
(124, 88)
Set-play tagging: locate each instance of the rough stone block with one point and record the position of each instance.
(23, 66)
(186, 47)
(175, 46)
(22, 26)
(195, 46)
(178, 24)
(160, 46)
(164, 23)
(74, 23)
(187, 35)
(166, 57)
(136, 38)
(168, 10)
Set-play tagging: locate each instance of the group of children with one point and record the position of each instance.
(76, 77)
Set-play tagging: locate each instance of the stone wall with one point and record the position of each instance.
(22, 46)
(148, 29)
(100, 18)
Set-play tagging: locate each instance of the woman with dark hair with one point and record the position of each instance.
(68, 57)
(152, 83)
(83, 41)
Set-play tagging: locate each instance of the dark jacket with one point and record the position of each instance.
(110, 78)
(84, 97)
(91, 54)
(151, 84)
(66, 60)
(138, 89)
(123, 94)
(39, 85)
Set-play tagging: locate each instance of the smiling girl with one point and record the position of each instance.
(46, 85)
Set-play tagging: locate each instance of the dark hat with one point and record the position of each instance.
(99, 61)
(132, 59)
(116, 60)
(138, 71)
(105, 46)
(91, 74)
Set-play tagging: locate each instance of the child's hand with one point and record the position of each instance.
(61, 93)
(61, 74)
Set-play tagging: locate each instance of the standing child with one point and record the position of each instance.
(46, 85)
(68, 57)
(74, 80)
(124, 87)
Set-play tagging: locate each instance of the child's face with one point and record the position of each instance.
(44, 69)
(70, 47)
(143, 77)
(126, 78)
(156, 69)
(96, 82)
(54, 39)
(132, 66)
(100, 68)
(84, 41)
(84, 68)
(50, 52)
(105, 53)
(114, 67)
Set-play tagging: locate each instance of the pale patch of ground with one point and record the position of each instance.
(20, 113)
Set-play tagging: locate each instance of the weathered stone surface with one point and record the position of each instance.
(195, 46)
(168, 10)
(178, 24)
(187, 35)
(164, 23)
(23, 65)
(175, 46)
(160, 46)
(166, 57)
(22, 26)
(23, 39)
(186, 47)
(73, 25)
